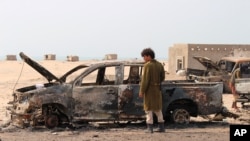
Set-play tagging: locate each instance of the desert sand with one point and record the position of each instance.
(16, 74)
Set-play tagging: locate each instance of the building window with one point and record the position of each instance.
(179, 62)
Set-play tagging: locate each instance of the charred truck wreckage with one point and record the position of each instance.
(107, 91)
(219, 71)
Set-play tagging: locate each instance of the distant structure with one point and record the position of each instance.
(181, 55)
(49, 57)
(110, 57)
(72, 58)
(11, 57)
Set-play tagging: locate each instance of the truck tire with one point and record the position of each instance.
(51, 121)
(180, 116)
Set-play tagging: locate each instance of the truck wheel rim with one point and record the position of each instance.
(181, 116)
(51, 121)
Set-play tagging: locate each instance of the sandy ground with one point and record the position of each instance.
(15, 74)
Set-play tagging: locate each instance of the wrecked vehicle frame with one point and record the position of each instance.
(107, 91)
(220, 71)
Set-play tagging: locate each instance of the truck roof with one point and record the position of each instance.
(50, 76)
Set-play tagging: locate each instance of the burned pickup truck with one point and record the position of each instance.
(106, 91)
(242, 84)
(220, 71)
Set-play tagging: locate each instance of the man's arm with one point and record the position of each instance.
(144, 81)
(162, 73)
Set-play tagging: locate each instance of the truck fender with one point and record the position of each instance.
(55, 100)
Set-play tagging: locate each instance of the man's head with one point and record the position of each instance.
(147, 54)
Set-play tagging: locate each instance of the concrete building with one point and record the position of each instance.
(49, 57)
(110, 57)
(72, 58)
(11, 57)
(181, 55)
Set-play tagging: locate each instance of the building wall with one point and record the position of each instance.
(177, 52)
(241, 52)
(72, 58)
(11, 57)
(110, 57)
(49, 57)
(212, 51)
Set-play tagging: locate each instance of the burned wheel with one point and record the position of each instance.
(51, 121)
(181, 116)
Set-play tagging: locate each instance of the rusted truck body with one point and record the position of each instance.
(107, 91)
(242, 87)
(220, 71)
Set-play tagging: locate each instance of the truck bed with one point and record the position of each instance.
(190, 83)
(207, 96)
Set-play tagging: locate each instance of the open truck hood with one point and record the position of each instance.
(44, 72)
(207, 63)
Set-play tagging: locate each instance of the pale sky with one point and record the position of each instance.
(93, 28)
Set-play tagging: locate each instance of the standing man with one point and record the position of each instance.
(241, 72)
(150, 89)
(236, 74)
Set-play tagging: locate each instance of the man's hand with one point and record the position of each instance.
(141, 95)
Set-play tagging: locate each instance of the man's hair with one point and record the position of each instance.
(148, 52)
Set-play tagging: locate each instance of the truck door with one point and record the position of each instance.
(95, 102)
(129, 104)
(96, 98)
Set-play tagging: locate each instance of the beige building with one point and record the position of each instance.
(72, 58)
(11, 57)
(49, 57)
(181, 55)
(110, 57)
